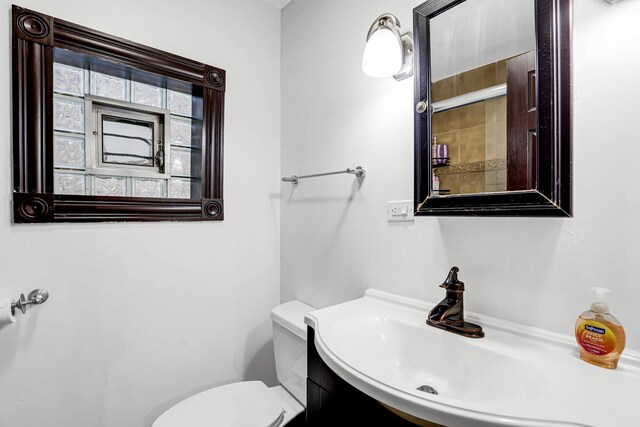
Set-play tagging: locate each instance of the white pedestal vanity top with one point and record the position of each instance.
(515, 376)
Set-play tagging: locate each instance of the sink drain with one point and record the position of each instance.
(428, 389)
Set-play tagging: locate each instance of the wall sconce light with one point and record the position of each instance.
(388, 52)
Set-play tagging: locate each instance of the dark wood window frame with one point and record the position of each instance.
(552, 195)
(37, 40)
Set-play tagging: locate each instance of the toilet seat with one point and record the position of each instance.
(244, 404)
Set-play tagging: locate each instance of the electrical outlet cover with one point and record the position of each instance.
(400, 211)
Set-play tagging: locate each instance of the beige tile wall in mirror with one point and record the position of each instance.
(476, 134)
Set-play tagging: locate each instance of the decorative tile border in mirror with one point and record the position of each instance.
(483, 166)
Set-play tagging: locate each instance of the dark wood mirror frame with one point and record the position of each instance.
(37, 40)
(552, 195)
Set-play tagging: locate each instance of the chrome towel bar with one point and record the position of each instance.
(359, 172)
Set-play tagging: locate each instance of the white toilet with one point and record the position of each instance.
(252, 403)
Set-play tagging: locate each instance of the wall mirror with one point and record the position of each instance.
(493, 108)
(105, 129)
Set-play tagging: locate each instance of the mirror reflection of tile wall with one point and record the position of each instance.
(476, 134)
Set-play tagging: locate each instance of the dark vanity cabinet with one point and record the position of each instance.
(331, 401)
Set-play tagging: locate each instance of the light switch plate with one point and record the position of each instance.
(400, 211)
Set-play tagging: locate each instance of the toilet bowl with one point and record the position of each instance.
(252, 403)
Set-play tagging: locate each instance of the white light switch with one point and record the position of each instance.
(400, 211)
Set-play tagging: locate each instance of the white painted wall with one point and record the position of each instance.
(142, 315)
(278, 4)
(479, 32)
(336, 241)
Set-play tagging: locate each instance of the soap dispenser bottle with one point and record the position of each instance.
(600, 336)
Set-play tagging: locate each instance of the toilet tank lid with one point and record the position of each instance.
(291, 316)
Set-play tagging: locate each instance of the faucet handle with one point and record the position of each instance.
(452, 283)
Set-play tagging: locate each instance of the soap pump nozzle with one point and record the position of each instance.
(599, 306)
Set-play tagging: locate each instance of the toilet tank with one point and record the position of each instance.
(290, 347)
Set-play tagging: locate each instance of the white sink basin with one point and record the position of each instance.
(515, 376)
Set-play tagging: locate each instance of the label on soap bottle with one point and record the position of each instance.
(595, 338)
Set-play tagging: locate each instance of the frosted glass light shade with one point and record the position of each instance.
(382, 54)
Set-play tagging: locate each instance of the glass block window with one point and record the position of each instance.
(180, 131)
(145, 148)
(109, 87)
(179, 188)
(109, 185)
(68, 151)
(180, 161)
(69, 80)
(68, 114)
(69, 183)
(149, 187)
(180, 103)
(148, 95)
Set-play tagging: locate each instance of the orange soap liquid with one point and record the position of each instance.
(598, 348)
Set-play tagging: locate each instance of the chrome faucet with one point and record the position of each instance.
(449, 313)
